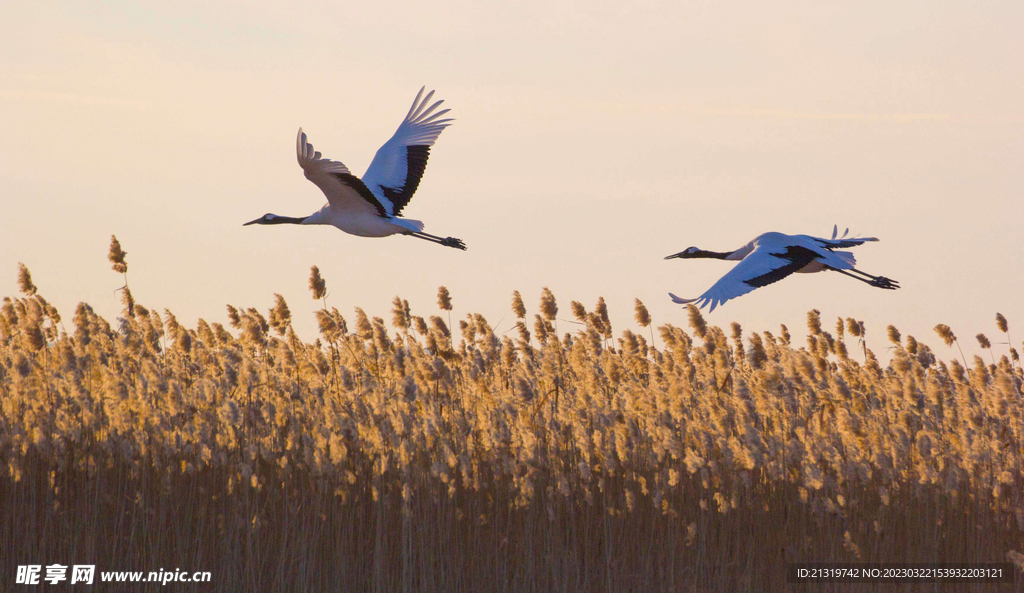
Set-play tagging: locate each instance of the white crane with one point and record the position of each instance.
(773, 256)
(370, 207)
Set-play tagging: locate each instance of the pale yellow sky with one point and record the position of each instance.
(592, 139)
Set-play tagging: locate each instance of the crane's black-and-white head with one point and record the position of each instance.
(688, 253)
(267, 218)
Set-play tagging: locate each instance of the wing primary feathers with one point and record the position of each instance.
(423, 103)
(681, 300)
(415, 102)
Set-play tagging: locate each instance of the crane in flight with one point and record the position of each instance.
(773, 256)
(371, 206)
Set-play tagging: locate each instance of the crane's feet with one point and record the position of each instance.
(453, 242)
(883, 282)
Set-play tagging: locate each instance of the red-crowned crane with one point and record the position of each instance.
(371, 206)
(773, 256)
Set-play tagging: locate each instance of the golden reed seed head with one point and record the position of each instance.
(601, 308)
(363, 328)
(25, 280)
(737, 331)
(540, 328)
(518, 307)
(894, 336)
(440, 326)
(116, 256)
(400, 313)
(814, 322)
(548, 306)
(339, 321)
(983, 341)
(1014, 356)
(325, 323)
(784, 332)
(317, 285)
(420, 324)
(524, 332)
(640, 313)
(840, 328)
(444, 299)
(128, 301)
(578, 311)
(233, 317)
(700, 327)
(1001, 323)
(281, 312)
(33, 334)
(945, 333)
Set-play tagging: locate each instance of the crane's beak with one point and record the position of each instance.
(253, 221)
(680, 254)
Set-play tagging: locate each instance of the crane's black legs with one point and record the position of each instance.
(446, 241)
(876, 281)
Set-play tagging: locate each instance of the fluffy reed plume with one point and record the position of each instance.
(548, 307)
(317, 285)
(518, 307)
(643, 317)
(1001, 323)
(444, 300)
(578, 311)
(945, 333)
(401, 317)
(894, 336)
(700, 327)
(640, 314)
(390, 459)
(949, 338)
(116, 256)
(25, 281)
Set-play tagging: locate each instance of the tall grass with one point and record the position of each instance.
(417, 458)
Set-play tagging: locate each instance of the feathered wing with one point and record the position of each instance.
(344, 190)
(396, 169)
(764, 265)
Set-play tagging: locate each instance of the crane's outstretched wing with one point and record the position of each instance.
(760, 268)
(344, 190)
(396, 169)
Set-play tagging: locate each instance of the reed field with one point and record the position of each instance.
(429, 453)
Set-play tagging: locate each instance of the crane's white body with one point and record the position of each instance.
(362, 222)
(771, 257)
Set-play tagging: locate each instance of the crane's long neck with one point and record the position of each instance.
(287, 220)
(714, 254)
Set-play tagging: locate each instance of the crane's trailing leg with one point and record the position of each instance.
(876, 281)
(446, 241)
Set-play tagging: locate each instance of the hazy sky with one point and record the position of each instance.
(592, 139)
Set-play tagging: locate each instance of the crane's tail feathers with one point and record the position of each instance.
(846, 257)
(415, 226)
